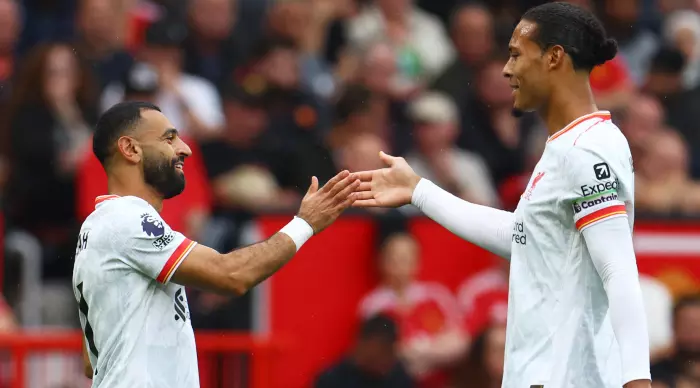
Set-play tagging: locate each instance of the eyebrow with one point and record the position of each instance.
(170, 131)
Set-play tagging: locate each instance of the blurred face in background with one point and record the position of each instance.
(380, 69)
(622, 11)
(360, 152)
(494, 351)
(644, 117)
(61, 78)
(394, 8)
(376, 355)
(665, 156)
(166, 59)
(99, 22)
(290, 18)
(244, 122)
(281, 68)
(687, 331)
(399, 260)
(435, 137)
(9, 25)
(213, 19)
(473, 34)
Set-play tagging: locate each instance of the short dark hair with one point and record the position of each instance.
(354, 99)
(576, 29)
(113, 124)
(379, 326)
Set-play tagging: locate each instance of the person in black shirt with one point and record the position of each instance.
(373, 363)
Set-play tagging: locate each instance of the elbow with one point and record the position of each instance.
(238, 285)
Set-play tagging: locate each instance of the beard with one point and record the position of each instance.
(161, 174)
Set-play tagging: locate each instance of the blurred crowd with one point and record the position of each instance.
(271, 92)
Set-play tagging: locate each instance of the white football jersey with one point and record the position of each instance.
(136, 323)
(559, 333)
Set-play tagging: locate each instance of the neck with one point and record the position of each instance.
(567, 103)
(117, 185)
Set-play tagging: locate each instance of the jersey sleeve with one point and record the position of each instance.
(146, 243)
(592, 187)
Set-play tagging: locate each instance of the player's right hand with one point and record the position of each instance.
(320, 207)
(387, 187)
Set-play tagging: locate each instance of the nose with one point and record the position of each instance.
(507, 73)
(182, 149)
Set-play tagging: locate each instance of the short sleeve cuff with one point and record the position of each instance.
(600, 215)
(175, 259)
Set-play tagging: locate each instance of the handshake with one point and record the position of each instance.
(391, 186)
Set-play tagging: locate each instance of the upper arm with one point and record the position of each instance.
(203, 269)
(593, 187)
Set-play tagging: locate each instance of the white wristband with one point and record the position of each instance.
(299, 231)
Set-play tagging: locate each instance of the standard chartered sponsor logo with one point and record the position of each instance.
(595, 200)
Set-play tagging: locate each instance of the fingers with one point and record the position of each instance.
(342, 185)
(314, 185)
(364, 186)
(364, 176)
(366, 203)
(339, 177)
(363, 195)
(348, 190)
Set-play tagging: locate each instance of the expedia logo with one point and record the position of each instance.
(587, 204)
(587, 190)
(519, 236)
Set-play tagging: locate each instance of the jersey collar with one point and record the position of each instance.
(103, 198)
(602, 114)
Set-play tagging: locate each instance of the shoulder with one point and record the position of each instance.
(128, 215)
(376, 301)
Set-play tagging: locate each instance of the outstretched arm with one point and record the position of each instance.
(399, 185)
(484, 226)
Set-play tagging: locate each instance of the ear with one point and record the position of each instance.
(130, 149)
(555, 57)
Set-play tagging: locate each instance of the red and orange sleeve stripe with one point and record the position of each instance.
(601, 214)
(175, 259)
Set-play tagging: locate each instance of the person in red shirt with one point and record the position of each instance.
(430, 334)
(483, 298)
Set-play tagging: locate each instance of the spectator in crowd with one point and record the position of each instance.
(472, 29)
(682, 30)
(374, 361)
(658, 305)
(483, 367)
(662, 181)
(380, 74)
(483, 297)
(682, 368)
(436, 156)
(211, 50)
(191, 103)
(244, 165)
(427, 314)
(422, 46)
(665, 81)
(51, 116)
(10, 27)
(640, 120)
(102, 41)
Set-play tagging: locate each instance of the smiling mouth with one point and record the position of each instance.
(179, 165)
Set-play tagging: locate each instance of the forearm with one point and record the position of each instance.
(253, 264)
(610, 245)
(489, 228)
